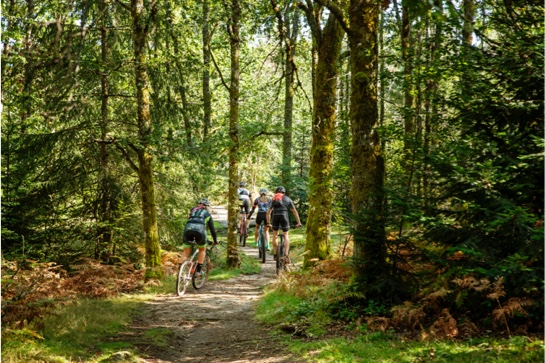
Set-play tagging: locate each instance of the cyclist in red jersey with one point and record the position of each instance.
(277, 216)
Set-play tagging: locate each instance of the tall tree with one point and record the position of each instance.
(233, 29)
(206, 94)
(361, 23)
(104, 248)
(288, 30)
(143, 149)
(328, 43)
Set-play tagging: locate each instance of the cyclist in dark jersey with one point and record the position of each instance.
(262, 204)
(277, 216)
(195, 231)
(244, 198)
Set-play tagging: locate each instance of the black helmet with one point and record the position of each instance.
(242, 184)
(205, 202)
(280, 190)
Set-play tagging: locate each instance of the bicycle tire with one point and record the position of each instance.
(262, 247)
(182, 282)
(243, 234)
(280, 261)
(198, 282)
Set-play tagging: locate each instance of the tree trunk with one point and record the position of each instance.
(469, 18)
(408, 90)
(145, 174)
(105, 248)
(206, 95)
(367, 163)
(183, 93)
(233, 260)
(287, 146)
(318, 226)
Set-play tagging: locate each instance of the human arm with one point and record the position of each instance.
(253, 209)
(294, 211)
(268, 217)
(210, 224)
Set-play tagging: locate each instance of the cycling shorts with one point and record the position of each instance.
(280, 220)
(245, 205)
(194, 232)
(261, 216)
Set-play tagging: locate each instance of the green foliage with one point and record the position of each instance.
(381, 347)
(72, 331)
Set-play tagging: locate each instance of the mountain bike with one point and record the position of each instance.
(186, 271)
(242, 228)
(261, 243)
(282, 260)
(280, 254)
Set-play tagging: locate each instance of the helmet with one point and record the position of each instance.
(280, 190)
(242, 184)
(204, 201)
(262, 191)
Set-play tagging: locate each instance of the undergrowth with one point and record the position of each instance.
(329, 321)
(51, 315)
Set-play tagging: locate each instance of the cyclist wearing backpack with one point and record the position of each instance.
(244, 198)
(278, 215)
(195, 230)
(262, 203)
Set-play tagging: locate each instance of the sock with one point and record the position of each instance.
(199, 267)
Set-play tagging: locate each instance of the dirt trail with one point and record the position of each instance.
(215, 324)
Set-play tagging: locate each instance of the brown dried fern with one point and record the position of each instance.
(445, 326)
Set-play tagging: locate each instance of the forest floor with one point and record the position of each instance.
(215, 324)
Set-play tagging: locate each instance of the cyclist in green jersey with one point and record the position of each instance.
(195, 231)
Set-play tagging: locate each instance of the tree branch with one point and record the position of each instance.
(218, 69)
(337, 11)
(124, 152)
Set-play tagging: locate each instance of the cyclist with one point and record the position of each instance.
(244, 197)
(195, 230)
(262, 203)
(278, 215)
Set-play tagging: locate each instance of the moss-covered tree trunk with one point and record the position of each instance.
(367, 163)
(408, 91)
(318, 225)
(287, 146)
(206, 94)
(145, 170)
(233, 260)
(104, 248)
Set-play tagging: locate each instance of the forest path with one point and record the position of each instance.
(215, 324)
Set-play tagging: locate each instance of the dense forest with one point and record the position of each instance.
(414, 126)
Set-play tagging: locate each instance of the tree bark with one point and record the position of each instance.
(145, 158)
(469, 18)
(318, 226)
(408, 90)
(206, 94)
(105, 243)
(287, 146)
(233, 260)
(367, 163)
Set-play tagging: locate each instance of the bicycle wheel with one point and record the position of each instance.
(280, 258)
(183, 278)
(243, 234)
(198, 281)
(261, 245)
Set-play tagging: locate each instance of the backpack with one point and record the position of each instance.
(278, 200)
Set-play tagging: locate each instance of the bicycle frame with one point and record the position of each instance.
(186, 272)
(261, 243)
(242, 227)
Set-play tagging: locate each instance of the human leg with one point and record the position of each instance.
(275, 235)
(266, 237)
(287, 242)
